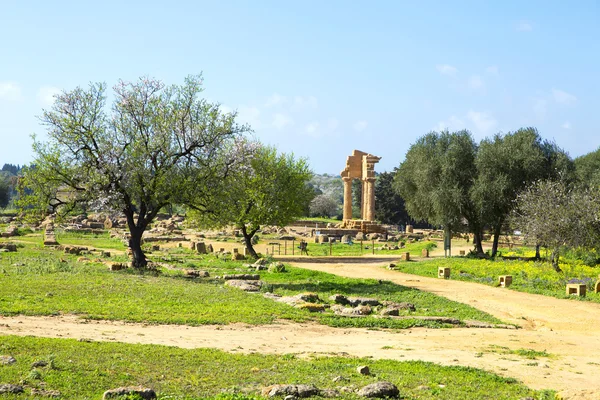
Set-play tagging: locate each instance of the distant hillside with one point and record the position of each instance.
(329, 184)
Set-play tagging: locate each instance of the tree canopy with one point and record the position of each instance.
(270, 189)
(447, 179)
(554, 214)
(155, 146)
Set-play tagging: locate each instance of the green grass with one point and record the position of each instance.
(341, 249)
(528, 276)
(39, 281)
(529, 354)
(82, 370)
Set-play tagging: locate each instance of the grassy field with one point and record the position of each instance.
(355, 249)
(84, 370)
(39, 281)
(528, 276)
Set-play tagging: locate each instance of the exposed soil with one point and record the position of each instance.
(568, 330)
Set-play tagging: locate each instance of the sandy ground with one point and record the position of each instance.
(568, 330)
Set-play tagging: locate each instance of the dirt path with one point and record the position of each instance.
(568, 330)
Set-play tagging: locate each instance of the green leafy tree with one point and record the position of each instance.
(269, 189)
(435, 181)
(555, 215)
(4, 191)
(506, 165)
(389, 206)
(155, 146)
(587, 169)
(324, 206)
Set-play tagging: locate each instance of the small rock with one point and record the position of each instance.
(290, 397)
(363, 370)
(9, 388)
(339, 299)
(339, 378)
(329, 393)
(379, 390)
(45, 393)
(247, 286)
(7, 360)
(144, 393)
(39, 364)
(363, 301)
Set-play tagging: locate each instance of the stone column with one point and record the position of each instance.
(363, 199)
(347, 198)
(370, 199)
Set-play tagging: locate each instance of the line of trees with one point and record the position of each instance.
(451, 181)
(155, 147)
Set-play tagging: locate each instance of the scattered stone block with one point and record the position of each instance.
(406, 256)
(209, 248)
(9, 247)
(7, 360)
(379, 390)
(192, 245)
(246, 277)
(45, 393)
(443, 272)
(139, 391)
(577, 289)
(277, 267)
(392, 266)
(363, 370)
(201, 248)
(425, 253)
(299, 391)
(247, 286)
(505, 280)
(116, 266)
(597, 287)
(312, 307)
(339, 299)
(409, 229)
(10, 389)
(363, 301)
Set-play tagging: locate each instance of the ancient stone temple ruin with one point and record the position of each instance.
(360, 165)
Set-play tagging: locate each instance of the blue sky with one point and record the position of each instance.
(320, 78)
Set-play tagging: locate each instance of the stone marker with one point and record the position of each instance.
(409, 229)
(578, 289)
(406, 256)
(425, 253)
(363, 370)
(201, 248)
(597, 287)
(505, 280)
(443, 272)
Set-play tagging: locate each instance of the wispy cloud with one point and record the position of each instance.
(312, 129)
(446, 69)
(566, 125)
(563, 97)
(45, 95)
(483, 122)
(280, 121)
(524, 26)
(305, 102)
(452, 124)
(360, 126)
(475, 82)
(275, 100)
(10, 91)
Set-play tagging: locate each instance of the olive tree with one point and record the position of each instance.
(435, 181)
(156, 146)
(324, 205)
(553, 214)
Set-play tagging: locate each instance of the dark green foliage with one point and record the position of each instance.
(389, 206)
(587, 169)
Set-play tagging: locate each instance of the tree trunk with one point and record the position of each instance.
(497, 231)
(555, 256)
(477, 242)
(135, 244)
(248, 241)
(537, 252)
